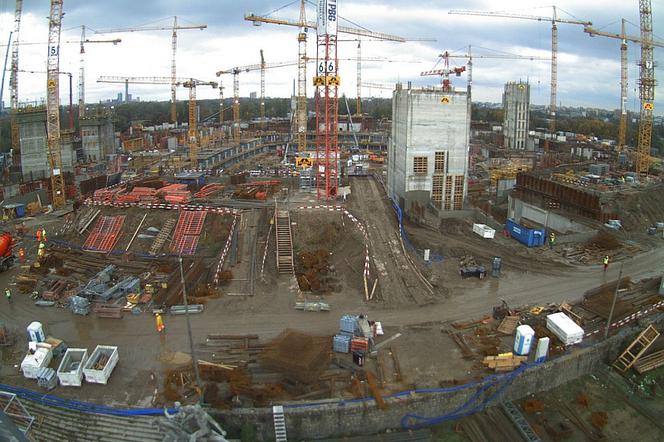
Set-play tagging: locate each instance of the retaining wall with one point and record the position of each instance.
(335, 418)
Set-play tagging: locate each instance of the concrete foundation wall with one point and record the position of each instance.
(336, 418)
(518, 209)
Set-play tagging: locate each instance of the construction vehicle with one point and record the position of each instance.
(6, 251)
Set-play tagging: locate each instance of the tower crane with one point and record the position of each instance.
(81, 69)
(554, 19)
(236, 71)
(189, 83)
(71, 104)
(624, 38)
(445, 72)
(174, 45)
(13, 84)
(503, 56)
(646, 87)
(303, 25)
(192, 129)
(53, 105)
(236, 87)
(262, 104)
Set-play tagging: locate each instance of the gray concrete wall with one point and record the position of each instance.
(518, 209)
(335, 418)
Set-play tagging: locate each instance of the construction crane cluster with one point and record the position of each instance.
(326, 80)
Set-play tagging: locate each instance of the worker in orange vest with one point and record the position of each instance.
(159, 322)
(21, 255)
(39, 235)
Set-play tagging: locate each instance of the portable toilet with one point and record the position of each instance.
(523, 340)
(36, 332)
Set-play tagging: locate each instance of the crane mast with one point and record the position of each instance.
(622, 126)
(13, 86)
(301, 100)
(262, 103)
(646, 87)
(327, 83)
(624, 38)
(174, 49)
(53, 105)
(174, 45)
(554, 51)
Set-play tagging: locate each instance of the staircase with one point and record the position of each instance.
(162, 236)
(284, 237)
(279, 423)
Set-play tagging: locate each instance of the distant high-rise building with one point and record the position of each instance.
(428, 150)
(252, 95)
(128, 98)
(516, 120)
(119, 99)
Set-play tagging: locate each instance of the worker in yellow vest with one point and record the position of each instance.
(606, 262)
(41, 251)
(159, 322)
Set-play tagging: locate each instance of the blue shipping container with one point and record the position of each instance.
(341, 344)
(348, 324)
(529, 237)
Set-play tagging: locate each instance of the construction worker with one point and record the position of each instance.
(552, 240)
(41, 251)
(44, 234)
(159, 322)
(21, 255)
(8, 295)
(606, 262)
(39, 235)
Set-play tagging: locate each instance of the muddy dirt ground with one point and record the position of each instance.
(404, 304)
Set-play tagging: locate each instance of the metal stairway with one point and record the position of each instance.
(284, 237)
(279, 423)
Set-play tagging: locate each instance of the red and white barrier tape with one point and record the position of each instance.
(630, 318)
(227, 247)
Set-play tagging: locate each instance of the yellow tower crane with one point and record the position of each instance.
(13, 84)
(189, 83)
(193, 120)
(174, 44)
(554, 19)
(624, 38)
(53, 105)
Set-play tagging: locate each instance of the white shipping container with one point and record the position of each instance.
(564, 328)
(100, 376)
(484, 231)
(33, 362)
(70, 371)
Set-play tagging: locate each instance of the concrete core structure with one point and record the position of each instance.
(428, 152)
(98, 137)
(516, 103)
(33, 146)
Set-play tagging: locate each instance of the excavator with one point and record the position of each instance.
(6, 255)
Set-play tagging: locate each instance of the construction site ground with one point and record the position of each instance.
(404, 302)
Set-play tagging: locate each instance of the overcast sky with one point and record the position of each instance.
(588, 68)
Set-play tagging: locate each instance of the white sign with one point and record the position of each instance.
(327, 17)
(326, 67)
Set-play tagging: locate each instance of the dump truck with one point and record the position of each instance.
(6, 247)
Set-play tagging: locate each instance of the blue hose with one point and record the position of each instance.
(54, 401)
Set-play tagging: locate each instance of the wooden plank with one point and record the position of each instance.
(640, 345)
(398, 376)
(650, 362)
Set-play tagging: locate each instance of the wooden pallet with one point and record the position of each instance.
(508, 325)
(636, 349)
(108, 311)
(504, 363)
(284, 237)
